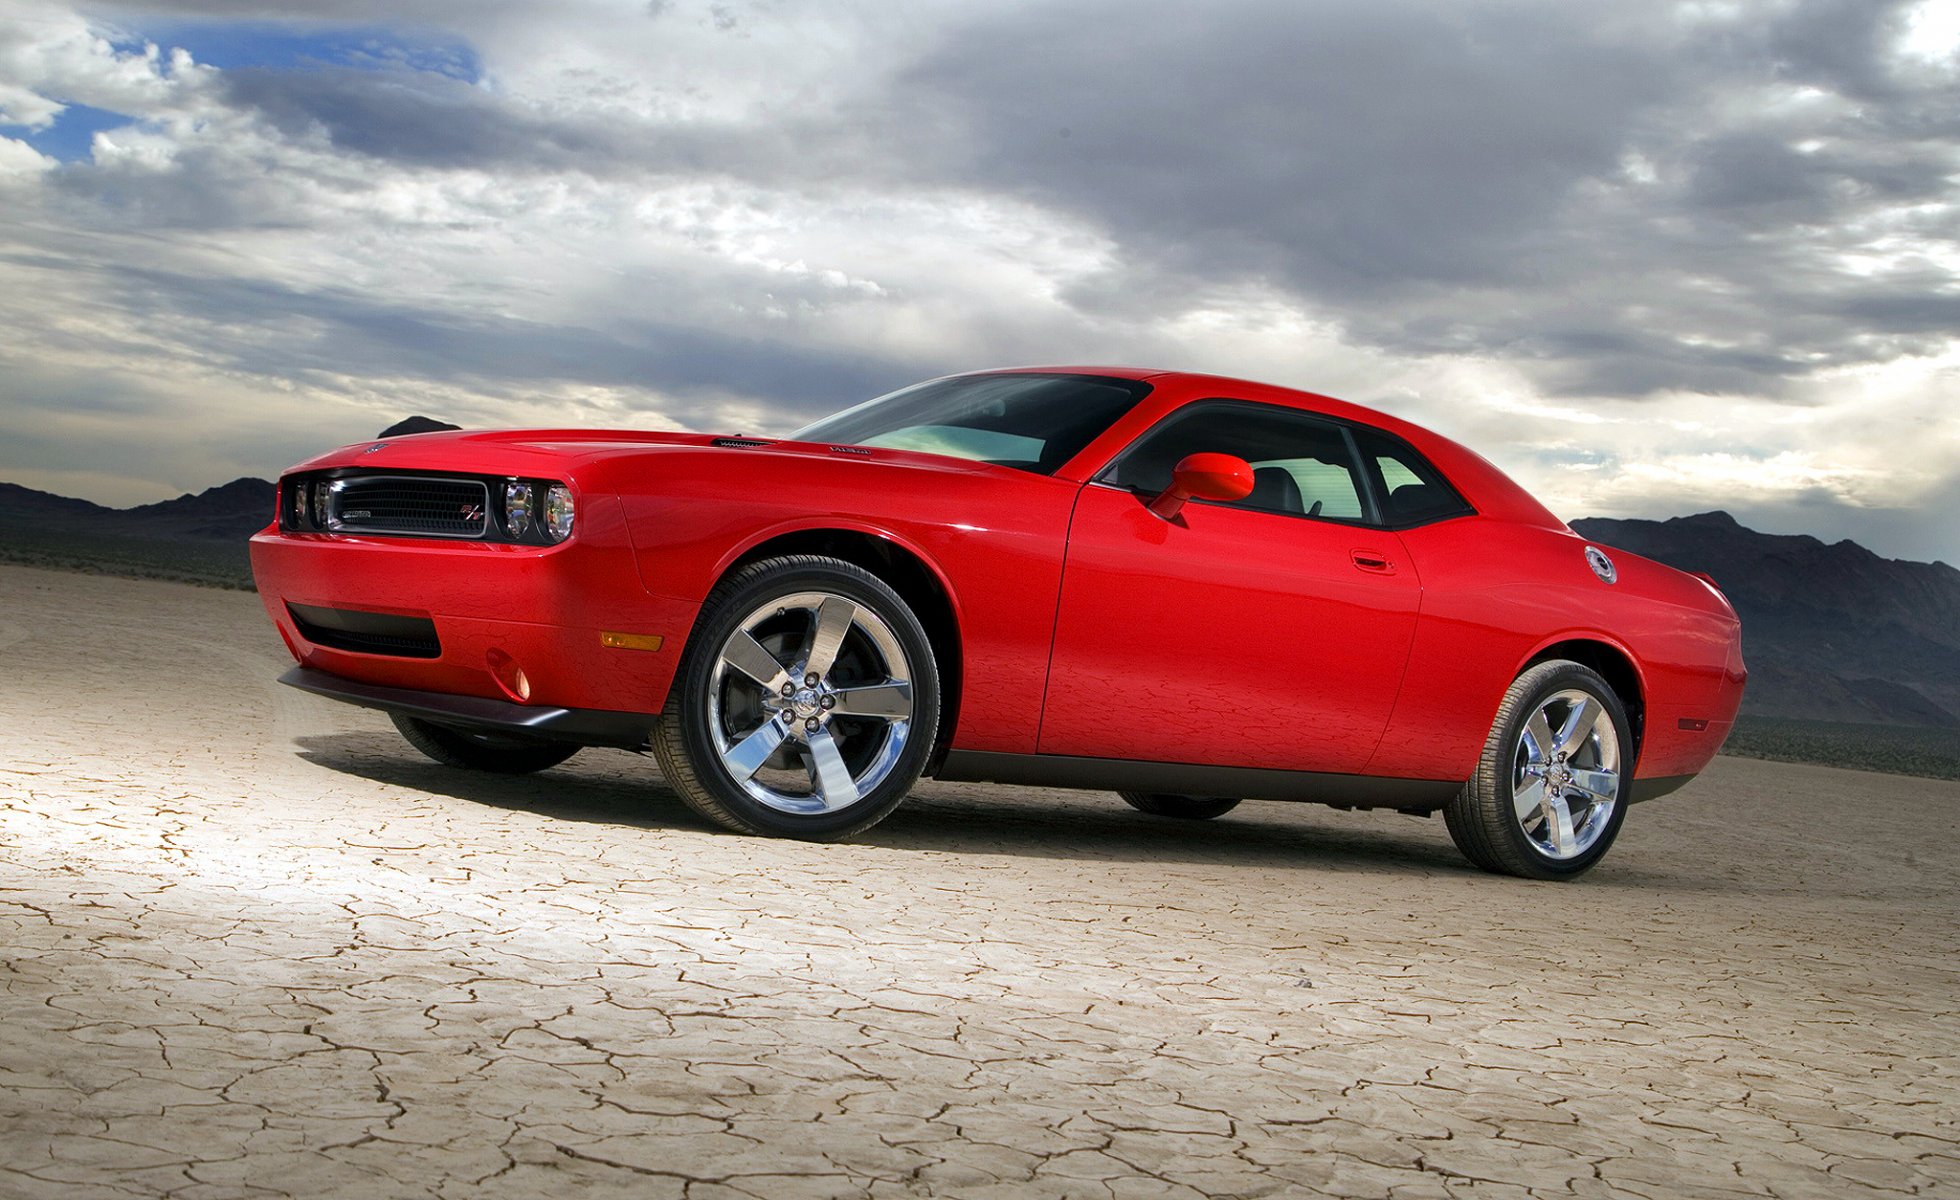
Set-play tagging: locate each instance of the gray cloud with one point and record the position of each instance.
(338, 332)
(418, 117)
(1368, 147)
(422, 119)
(1399, 163)
(1395, 163)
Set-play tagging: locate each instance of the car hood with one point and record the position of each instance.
(558, 453)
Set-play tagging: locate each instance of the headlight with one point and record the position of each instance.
(558, 512)
(296, 502)
(320, 488)
(517, 508)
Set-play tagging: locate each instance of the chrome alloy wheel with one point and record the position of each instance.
(810, 702)
(1565, 775)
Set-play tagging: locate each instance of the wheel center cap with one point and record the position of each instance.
(805, 702)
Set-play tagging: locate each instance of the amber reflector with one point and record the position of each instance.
(631, 641)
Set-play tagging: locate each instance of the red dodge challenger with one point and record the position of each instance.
(1187, 589)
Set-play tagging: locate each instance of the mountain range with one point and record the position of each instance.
(229, 512)
(1831, 631)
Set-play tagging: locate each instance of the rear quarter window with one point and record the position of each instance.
(1412, 490)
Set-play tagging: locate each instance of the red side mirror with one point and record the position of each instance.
(1204, 477)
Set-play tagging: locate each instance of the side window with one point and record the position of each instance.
(1413, 492)
(1300, 465)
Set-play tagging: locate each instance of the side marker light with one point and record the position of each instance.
(631, 641)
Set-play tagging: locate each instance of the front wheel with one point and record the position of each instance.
(1189, 808)
(805, 704)
(506, 754)
(1550, 791)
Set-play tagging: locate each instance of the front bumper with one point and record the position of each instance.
(571, 621)
(587, 727)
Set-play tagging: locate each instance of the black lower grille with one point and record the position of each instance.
(429, 506)
(366, 632)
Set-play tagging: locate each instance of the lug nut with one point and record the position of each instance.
(828, 702)
(810, 681)
(789, 689)
(812, 724)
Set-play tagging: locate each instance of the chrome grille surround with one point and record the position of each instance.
(409, 505)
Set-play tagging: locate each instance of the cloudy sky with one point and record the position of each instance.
(1652, 258)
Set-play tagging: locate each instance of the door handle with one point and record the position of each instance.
(1372, 560)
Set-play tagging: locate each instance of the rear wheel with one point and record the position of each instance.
(453, 746)
(805, 704)
(1549, 795)
(1190, 808)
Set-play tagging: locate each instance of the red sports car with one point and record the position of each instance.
(1183, 588)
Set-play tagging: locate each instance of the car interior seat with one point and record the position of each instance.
(1413, 500)
(1274, 490)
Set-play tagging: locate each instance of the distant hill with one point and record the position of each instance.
(233, 511)
(209, 513)
(1831, 632)
(194, 538)
(22, 500)
(410, 425)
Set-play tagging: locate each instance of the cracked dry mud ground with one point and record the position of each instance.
(255, 946)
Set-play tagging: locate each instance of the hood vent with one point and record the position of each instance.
(738, 443)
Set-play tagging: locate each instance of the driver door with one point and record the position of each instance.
(1269, 632)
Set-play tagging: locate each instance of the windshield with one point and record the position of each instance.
(1035, 422)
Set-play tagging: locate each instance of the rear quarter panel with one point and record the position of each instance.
(1496, 594)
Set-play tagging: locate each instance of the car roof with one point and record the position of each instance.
(1488, 489)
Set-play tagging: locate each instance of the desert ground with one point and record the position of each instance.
(255, 946)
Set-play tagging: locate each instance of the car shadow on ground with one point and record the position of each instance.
(611, 788)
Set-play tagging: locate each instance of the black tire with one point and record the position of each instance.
(1189, 808)
(1483, 818)
(711, 702)
(505, 754)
